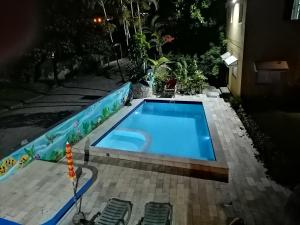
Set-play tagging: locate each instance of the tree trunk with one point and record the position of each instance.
(132, 14)
(55, 72)
(128, 31)
(105, 16)
(124, 24)
(160, 51)
(139, 16)
(112, 42)
(125, 33)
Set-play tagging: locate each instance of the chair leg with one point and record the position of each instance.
(128, 213)
(140, 221)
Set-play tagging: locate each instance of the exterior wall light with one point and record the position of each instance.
(229, 59)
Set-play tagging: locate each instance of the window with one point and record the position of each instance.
(296, 10)
(241, 12)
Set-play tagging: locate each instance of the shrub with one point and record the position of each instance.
(190, 78)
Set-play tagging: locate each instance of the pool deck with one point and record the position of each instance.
(38, 192)
(249, 194)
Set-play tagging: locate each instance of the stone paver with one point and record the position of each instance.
(249, 193)
(37, 192)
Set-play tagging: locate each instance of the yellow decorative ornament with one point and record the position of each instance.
(10, 162)
(3, 169)
(23, 160)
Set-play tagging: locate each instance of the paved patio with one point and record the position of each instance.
(249, 193)
(37, 192)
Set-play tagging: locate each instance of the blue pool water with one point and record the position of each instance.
(176, 129)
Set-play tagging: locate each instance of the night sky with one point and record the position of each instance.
(17, 26)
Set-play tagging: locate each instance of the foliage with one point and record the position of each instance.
(105, 114)
(160, 77)
(157, 64)
(93, 125)
(194, 23)
(86, 128)
(190, 77)
(210, 62)
(116, 106)
(68, 31)
(56, 155)
(30, 152)
(156, 28)
(74, 137)
(51, 137)
(161, 71)
(93, 43)
(139, 56)
(197, 11)
(235, 102)
(137, 74)
(193, 84)
(138, 51)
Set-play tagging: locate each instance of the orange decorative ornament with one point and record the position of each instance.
(70, 162)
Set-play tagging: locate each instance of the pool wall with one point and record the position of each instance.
(51, 145)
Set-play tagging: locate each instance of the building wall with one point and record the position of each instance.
(235, 37)
(268, 36)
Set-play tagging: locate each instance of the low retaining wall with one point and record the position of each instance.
(51, 145)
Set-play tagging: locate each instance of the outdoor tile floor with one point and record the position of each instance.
(249, 193)
(37, 192)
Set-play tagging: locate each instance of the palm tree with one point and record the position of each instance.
(132, 15)
(106, 20)
(144, 5)
(101, 2)
(156, 28)
(125, 17)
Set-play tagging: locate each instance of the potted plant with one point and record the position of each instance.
(161, 71)
(140, 79)
(138, 72)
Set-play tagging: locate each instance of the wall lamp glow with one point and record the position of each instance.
(234, 1)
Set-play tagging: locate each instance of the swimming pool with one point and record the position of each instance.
(176, 129)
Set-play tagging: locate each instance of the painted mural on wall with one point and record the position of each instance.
(51, 145)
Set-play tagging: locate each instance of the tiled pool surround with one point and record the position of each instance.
(216, 170)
